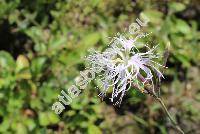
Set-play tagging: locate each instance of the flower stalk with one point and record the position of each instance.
(168, 114)
(148, 90)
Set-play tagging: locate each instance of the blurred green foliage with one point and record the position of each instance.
(43, 43)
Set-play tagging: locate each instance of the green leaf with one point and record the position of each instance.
(176, 6)
(38, 65)
(163, 129)
(184, 59)
(22, 62)
(93, 129)
(56, 43)
(21, 129)
(43, 119)
(53, 118)
(22, 70)
(140, 120)
(94, 2)
(46, 118)
(90, 39)
(182, 26)
(35, 33)
(4, 125)
(30, 124)
(154, 16)
(6, 60)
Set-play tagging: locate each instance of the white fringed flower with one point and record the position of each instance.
(122, 65)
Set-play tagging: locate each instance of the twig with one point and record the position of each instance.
(148, 90)
(168, 114)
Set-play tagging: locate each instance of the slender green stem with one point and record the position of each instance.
(148, 89)
(168, 114)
